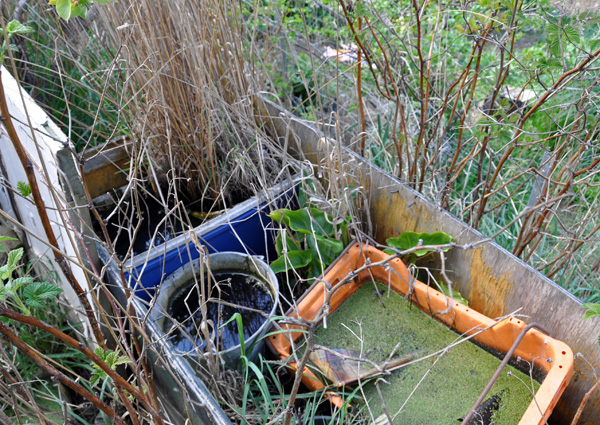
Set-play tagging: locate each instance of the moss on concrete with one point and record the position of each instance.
(453, 383)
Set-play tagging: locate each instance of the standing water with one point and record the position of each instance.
(227, 289)
(438, 390)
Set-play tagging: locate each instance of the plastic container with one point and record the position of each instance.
(463, 319)
(244, 228)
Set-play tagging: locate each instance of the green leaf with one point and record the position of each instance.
(316, 267)
(15, 27)
(591, 310)
(345, 233)
(79, 11)
(304, 191)
(112, 360)
(305, 220)
(324, 225)
(63, 8)
(559, 38)
(292, 260)
(550, 62)
(5, 272)
(278, 215)
(240, 328)
(36, 293)
(4, 239)
(408, 240)
(119, 361)
(328, 248)
(456, 296)
(291, 244)
(3, 292)
(96, 376)
(99, 352)
(572, 34)
(594, 44)
(20, 281)
(15, 256)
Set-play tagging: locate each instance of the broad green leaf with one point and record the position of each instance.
(591, 310)
(79, 11)
(291, 244)
(550, 62)
(594, 44)
(14, 257)
(305, 220)
(15, 27)
(559, 38)
(112, 360)
(119, 360)
(5, 239)
(63, 8)
(323, 221)
(278, 215)
(20, 281)
(98, 373)
(307, 186)
(328, 248)
(316, 267)
(292, 260)
(571, 33)
(36, 293)
(5, 272)
(408, 240)
(35, 303)
(99, 352)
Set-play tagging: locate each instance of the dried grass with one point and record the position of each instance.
(191, 96)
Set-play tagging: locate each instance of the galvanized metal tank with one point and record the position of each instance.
(494, 281)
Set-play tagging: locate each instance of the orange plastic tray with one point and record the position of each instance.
(535, 344)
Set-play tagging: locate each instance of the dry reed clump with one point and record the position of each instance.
(190, 96)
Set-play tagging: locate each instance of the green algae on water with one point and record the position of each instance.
(450, 383)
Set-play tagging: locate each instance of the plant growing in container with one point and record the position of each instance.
(309, 242)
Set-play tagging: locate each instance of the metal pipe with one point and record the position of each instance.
(505, 361)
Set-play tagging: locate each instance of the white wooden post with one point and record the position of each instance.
(43, 141)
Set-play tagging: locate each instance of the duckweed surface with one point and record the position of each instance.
(450, 386)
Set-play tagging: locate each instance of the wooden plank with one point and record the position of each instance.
(105, 167)
(493, 280)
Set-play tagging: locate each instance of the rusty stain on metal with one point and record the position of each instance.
(487, 290)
